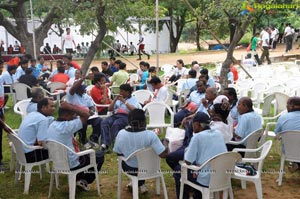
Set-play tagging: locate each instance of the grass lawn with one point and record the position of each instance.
(108, 178)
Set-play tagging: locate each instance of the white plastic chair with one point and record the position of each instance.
(252, 141)
(257, 93)
(175, 137)
(21, 107)
(148, 168)
(172, 103)
(142, 95)
(256, 179)
(56, 86)
(133, 78)
(290, 149)
(220, 180)
(20, 91)
(168, 70)
(58, 154)
(18, 145)
(156, 112)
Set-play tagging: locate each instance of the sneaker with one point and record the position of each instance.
(143, 189)
(87, 145)
(94, 144)
(104, 148)
(83, 184)
(293, 166)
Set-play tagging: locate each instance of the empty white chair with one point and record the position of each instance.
(148, 168)
(168, 70)
(142, 95)
(58, 154)
(290, 149)
(18, 145)
(21, 91)
(21, 107)
(256, 179)
(156, 112)
(220, 180)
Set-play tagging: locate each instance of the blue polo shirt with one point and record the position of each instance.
(63, 132)
(128, 142)
(33, 128)
(247, 123)
(203, 146)
(288, 121)
(119, 105)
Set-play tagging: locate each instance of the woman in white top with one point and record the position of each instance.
(160, 91)
(73, 79)
(179, 72)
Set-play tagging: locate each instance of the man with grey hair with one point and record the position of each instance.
(37, 95)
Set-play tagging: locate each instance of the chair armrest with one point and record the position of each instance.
(246, 150)
(33, 147)
(85, 152)
(236, 142)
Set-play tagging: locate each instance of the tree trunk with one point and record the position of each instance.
(98, 40)
(198, 35)
(238, 34)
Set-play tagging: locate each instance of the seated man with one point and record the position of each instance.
(136, 137)
(77, 96)
(191, 104)
(62, 130)
(160, 91)
(121, 105)
(34, 127)
(191, 80)
(60, 76)
(248, 122)
(37, 95)
(28, 78)
(205, 144)
(290, 121)
(120, 77)
(248, 61)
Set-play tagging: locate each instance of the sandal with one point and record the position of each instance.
(83, 184)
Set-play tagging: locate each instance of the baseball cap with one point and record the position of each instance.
(201, 118)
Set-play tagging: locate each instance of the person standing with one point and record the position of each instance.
(132, 49)
(274, 37)
(68, 41)
(288, 35)
(1, 111)
(142, 48)
(265, 46)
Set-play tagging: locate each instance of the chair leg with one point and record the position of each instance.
(157, 183)
(230, 193)
(206, 194)
(243, 184)
(12, 160)
(216, 194)
(72, 186)
(135, 188)
(51, 185)
(258, 189)
(57, 180)
(97, 180)
(41, 171)
(119, 181)
(281, 170)
(225, 194)
(181, 190)
(27, 179)
(164, 187)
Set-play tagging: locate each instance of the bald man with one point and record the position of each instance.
(248, 122)
(290, 120)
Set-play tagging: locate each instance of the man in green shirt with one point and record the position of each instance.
(119, 78)
(254, 45)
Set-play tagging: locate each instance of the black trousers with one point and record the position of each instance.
(36, 155)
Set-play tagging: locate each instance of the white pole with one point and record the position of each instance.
(33, 30)
(157, 34)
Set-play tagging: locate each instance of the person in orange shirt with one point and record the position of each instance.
(60, 76)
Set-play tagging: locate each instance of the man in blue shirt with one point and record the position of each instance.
(62, 130)
(248, 122)
(191, 104)
(34, 127)
(290, 120)
(136, 137)
(205, 144)
(37, 94)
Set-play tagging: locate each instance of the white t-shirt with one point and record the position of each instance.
(183, 71)
(265, 39)
(287, 31)
(274, 33)
(68, 41)
(162, 95)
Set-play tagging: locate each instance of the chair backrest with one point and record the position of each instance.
(290, 141)
(281, 100)
(180, 83)
(252, 141)
(221, 167)
(156, 112)
(148, 162)
(21, 91)
(265, 148)
(133, 77)
(142, 95)
(56, 85)
(167, 68)
(18, 146)
(21, 107)
(58, 153)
